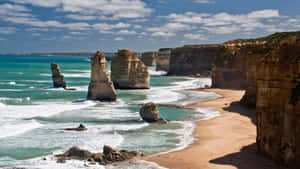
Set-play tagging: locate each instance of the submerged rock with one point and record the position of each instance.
(57, 77)
(129, 72)
(149, 112)
(81, 127)
(110, 155)
(101, 87)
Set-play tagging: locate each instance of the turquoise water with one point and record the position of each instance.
(32, 113)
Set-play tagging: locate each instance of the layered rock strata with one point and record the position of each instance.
(101, 87)
(57, 77)
(192, 60)
(150, 113)
(129, 72)
(149, 58)
(278, 100)
(163, 59)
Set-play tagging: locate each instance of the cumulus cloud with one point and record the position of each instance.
(168, 29)
(126, 32)
(113, 8)
(194, 36)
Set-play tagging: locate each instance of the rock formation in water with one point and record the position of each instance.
(278, 99)
(163, 59)
(149, 113)
(149, 58)
(109, 155)
(129, 72)
(101, 87)
(57, 77)
(192, 60)
(81, 127)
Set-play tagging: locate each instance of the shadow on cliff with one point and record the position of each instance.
(237, 107)
(247, 158)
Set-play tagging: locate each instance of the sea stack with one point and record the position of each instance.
(129, 72)
(101, 87)
(150, 113)
(57, 77)
(149, 58)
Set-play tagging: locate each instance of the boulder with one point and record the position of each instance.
(149, 58)
(101, 87)
(129, 72)
(149, 112)
(57, 77)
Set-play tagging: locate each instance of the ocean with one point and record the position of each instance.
(32, 113)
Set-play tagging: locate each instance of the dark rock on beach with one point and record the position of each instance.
(81, 127)
(109, 155)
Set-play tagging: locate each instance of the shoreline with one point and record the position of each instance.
(227, 141)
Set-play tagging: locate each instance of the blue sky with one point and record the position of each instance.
(139, 25)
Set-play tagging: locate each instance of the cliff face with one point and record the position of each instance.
(129, 72)
(101, 87)
(57, 77)
(278, 102)
(163, 59)
(192, 60)
(149, 58)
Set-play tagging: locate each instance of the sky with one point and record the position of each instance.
(139, 25)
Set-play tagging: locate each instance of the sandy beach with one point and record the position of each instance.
(224, 142)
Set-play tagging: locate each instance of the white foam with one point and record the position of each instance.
(77, 74)
(41, 109)
(207, 113)
(11, 90)
(45, 74)
(12, 83)
(157, 73)
(12, 128)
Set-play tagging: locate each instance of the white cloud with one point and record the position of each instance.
(168, 29)
(126, 32)
(119, 38)
(194, 36)
(204, 1)
(113, 8)
(223, 29)
(7, 30)
(105, 26)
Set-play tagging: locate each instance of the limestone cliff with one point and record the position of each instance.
(57, 77)
(101, 87)
(129, 72)
(149, 58)
(278, 100)
(163, 59)
(192, 60)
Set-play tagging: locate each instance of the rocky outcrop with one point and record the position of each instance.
(149, 113)
(278, 99)
(57, 77)
(193, 60)
(109, 155)
(149, 58)
(129, 72)
(81, 127)
(163, 59)
(101, 87)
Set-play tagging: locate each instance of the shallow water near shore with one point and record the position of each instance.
(32, 112)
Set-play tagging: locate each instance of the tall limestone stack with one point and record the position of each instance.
(101, 87)
(129, 72)
(163, 59)
(57, 77)
(192, 60)
(149, 58)
(278, 100)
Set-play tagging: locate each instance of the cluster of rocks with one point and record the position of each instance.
(109, 155)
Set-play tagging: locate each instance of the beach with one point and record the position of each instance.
(223, 142)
